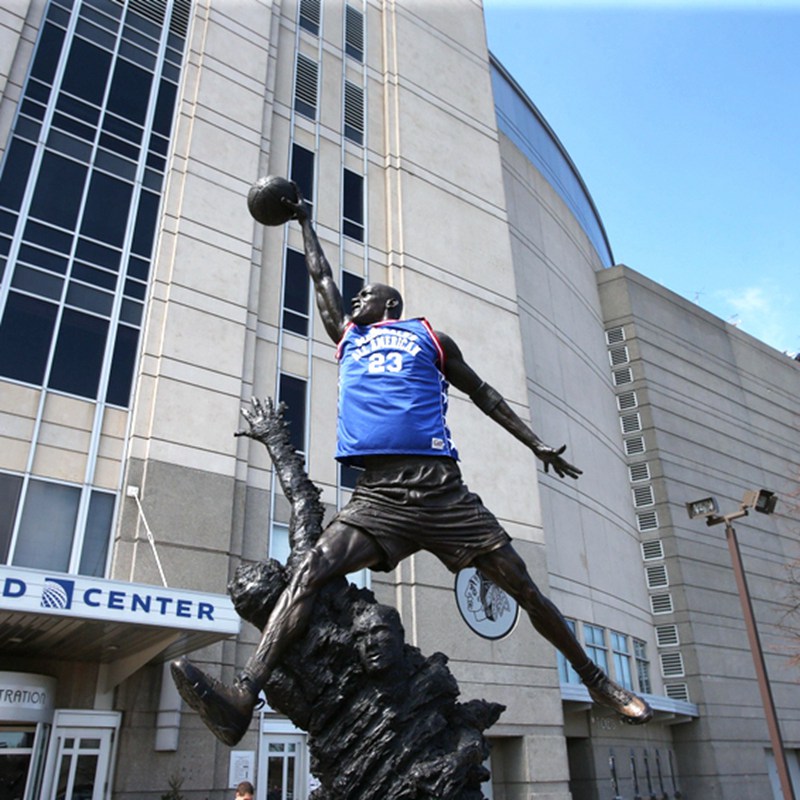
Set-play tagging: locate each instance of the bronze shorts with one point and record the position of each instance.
(411, 503)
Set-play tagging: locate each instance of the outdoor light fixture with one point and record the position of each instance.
(763, 501)
(702, 508)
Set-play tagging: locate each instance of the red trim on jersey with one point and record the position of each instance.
(436, 343)
(347, 327)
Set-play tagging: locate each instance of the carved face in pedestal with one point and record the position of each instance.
(379, 638)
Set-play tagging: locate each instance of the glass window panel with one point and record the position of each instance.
(295, 293)
(351, 286)
(139, 56)
(36, 90)
(135, 289)
(79, 353)
(48, 51)
(99, 18)
(28, 129)
(109, 7)
(25, 335)
(144, 231)
(96, 535)
(146, 42)
(105, 216)
(35, 281)
(16, 738)
(5, 245)
(302, 172)
(153, 179)
(121, 167)
(33, 110)
(125, 130)
(89, 298)
(292, 391)
(159, 144)
(353, 208)
(59, 188)
(69, 145)
(47, 526)
(95, 34)
(47, 236)
(98, 254)
(165, 107)
(98, 277)
(77, 108)
(10, 486)
(70, 125)
(131, 312)
(137, 22)
(138, 268)
(117, 145)
(15, 173)
(156, 162)
(122, 363)
(8, 222)
(87, 71)
(43, 258)
(129, 95)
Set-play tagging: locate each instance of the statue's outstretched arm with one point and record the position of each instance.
(328, 296)
(491, 402)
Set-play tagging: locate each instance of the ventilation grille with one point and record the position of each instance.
(643, 496)
(661, 603)
(672, 665)
(634, 447)
(652, 550)
(181, 12)
(354, 32)
(154, 10)
(305, 90)
(615, 335)
(623, 376)
(618, 356)
(657, 577)
(631, 422)
(354, 107)
(667, 636)
(626, 401)
(310, 15)
(677, 691)
(639, 472)
(647, 521)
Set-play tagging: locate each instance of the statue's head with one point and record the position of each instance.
(376, 302)
(379, 638)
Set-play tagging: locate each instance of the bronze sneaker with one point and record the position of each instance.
(225, 710)
(632, 708)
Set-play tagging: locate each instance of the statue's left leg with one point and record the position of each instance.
(505, 567)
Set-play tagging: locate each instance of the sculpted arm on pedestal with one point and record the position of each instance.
(490, 401)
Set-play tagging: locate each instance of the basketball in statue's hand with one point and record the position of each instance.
(265, 200)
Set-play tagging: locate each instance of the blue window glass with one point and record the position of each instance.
(292, 392)
(15, 173)
(10, 486)
(145, 224)
(302, 171)
(87, 71)
(105, 216)
(79, 353)
(25, 335)
(59, 188)
(129, 95)
(122, 364)
(295, 293)
(353, 206)
(96, 534)
(47, 53)
(165, 107)
(351, 286)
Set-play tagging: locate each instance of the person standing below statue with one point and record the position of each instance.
(393, 382)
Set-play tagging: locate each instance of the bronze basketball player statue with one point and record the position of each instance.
(394, 375)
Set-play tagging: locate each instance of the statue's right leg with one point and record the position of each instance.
(227, 710)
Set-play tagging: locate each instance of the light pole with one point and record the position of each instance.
(764, 502)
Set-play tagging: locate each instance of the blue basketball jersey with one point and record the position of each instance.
(392, 392)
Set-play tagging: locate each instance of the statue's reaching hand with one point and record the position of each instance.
(552, 458)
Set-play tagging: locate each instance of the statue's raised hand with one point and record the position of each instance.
(260, 416)
(552, 458)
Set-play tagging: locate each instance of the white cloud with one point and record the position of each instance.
(764, 312)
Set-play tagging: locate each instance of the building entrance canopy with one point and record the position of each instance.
(115, 623)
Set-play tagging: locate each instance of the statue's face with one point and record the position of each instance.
(373, 304)
(378, 644)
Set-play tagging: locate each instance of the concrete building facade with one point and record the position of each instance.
(141, 307)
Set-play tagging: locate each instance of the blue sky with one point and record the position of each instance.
(684, 120)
